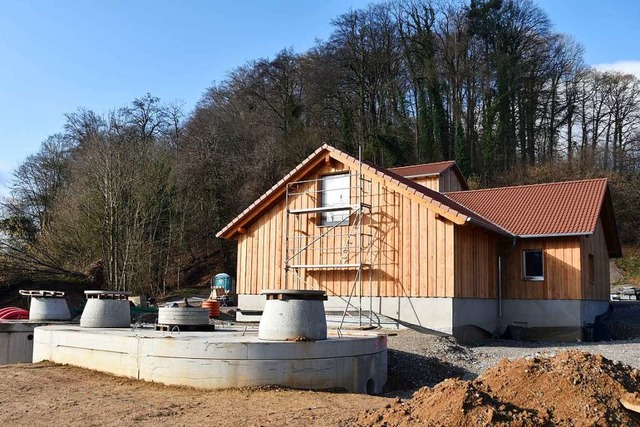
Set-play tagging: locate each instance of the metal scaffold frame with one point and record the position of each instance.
(355, 248)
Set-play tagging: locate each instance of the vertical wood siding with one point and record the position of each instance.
(449, 182)
(595, 245)
(562, 270)
(476, 263)
(412, 253)
(432, 182)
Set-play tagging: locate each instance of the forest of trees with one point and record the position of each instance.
(142, 190)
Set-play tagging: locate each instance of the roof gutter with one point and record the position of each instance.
(534, 236)
(422, 175)
(497, 227)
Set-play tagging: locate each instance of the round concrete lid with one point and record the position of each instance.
(106, 294)
(294, 294)
(291, 292)
(41, 293)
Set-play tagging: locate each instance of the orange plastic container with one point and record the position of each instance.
(213, 306)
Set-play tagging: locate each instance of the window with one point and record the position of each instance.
(533, 265)
(592, 269)
(335, 193)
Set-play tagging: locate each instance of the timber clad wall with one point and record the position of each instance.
(595, 245)
(444, 183)
(412, 251)
(562, 276)
(449, 181)
(432, 182)
(476, 265)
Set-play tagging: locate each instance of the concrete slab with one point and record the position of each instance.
(230, 357)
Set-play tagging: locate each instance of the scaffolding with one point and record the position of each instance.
(344, 244)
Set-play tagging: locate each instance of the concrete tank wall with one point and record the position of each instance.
(16, 342)
(221, 359)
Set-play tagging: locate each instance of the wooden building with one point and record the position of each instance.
(416, 245)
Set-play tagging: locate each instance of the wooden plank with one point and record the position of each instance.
(414, 248)
(241, 269)
(423, 258)
(402, 249)
(255, 255)
(269, 250)
(440, 261)
(377, 238)
(449, 259)
(397, 231)
(432, 251)
(279, 239)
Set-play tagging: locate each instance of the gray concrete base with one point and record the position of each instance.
(550, 313)
(222, 359)
(455, 315)
(16, 341)
(430, 313)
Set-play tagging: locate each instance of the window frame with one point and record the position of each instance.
(539, 278)
(323, 220)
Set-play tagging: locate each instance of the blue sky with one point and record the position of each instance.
(56, 56)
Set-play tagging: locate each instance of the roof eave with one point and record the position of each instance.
(495, 229)
(422, 175)
(542, 236)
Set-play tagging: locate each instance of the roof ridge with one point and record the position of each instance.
(422, 164)
(528, 185)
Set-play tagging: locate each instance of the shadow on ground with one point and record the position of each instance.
(408, 372)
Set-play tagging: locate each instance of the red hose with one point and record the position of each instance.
(13, 313)
(6, 310)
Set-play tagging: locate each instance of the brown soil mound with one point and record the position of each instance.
(572, 388)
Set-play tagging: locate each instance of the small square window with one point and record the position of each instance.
(533, 264)
(335, 192)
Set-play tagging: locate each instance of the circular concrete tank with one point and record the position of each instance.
(228, 358)
(192, 316)
(47, 305)
(293, 315)
(106, 309)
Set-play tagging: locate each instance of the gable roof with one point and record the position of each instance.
(430, 169)
(426, 169)
(544, 210)
(443, 205)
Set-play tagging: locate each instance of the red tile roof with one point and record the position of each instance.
(424, 169)
(557, 208)
(440, 199)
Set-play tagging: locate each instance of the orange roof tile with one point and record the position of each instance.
(424, 169)
(557, 208)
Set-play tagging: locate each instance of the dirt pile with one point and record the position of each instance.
(572, 388)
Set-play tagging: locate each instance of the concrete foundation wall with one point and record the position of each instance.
(482, 313)
(450, 314)
(431, 313)
(591, 309)
(550, 313)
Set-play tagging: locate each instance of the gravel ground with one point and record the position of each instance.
(419, 359)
